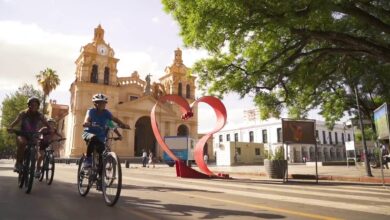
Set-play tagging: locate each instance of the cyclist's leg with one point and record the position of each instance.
(41, 154)
(99, 149)
(21, 143)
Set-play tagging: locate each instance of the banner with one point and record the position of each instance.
(349, 145)
(298, 131)
(382, 121)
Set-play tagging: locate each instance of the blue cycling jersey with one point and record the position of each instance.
(100, 119)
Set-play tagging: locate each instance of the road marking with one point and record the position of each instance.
(278, 210)
(374, 209)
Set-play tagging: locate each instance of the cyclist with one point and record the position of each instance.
(31, 121)
(95, 123)
(47, 138)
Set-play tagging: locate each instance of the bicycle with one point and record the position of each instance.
(111, 177)
(26, 174)
(48, 163)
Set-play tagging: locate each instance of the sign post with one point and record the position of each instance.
(381, 118)
(299, 132)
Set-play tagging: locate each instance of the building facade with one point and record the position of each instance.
(129, 98)
(331, 143)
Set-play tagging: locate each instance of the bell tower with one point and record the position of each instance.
(177, 80)
(96, 63)
(96, 72)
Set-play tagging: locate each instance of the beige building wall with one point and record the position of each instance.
(129, 98)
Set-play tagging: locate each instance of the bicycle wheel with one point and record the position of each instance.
(43, 168)
(111, 179)
(83, 183)
(50, 169)
(23, 172)
(29, 178)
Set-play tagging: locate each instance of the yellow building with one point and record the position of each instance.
(129, 98)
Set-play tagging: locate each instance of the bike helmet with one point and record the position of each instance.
(51, 120)
(100, 97)
(33, 99)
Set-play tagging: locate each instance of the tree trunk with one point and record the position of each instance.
(44, 104)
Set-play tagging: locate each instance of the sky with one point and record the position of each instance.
(50, 33)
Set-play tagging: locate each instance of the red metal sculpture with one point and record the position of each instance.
(187, 113)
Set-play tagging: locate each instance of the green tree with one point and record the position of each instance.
(294, 54)
(48, 80)
(11, 106)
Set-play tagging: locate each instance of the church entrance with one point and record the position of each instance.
(182, 130)
(144, 137)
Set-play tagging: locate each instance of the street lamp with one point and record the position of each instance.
(368, 169)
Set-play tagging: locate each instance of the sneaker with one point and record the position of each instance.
(17, 167)
(88, 162)
(37, 174)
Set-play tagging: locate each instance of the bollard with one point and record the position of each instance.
(77, 162)
(127, 164)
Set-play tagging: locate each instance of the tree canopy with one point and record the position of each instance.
(48, 80)
(294, 54)
(11, 106)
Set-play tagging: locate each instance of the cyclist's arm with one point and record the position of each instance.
(44, 121)
(16, 121)
(58, 134)
(120, 123)
(87, 120)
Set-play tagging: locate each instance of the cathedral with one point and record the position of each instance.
(129, 98)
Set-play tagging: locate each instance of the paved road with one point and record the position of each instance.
(157, 194)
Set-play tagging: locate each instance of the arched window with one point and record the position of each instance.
(106, 75)
(182, 130)
(179, 89)
(188, 91)
(94, 74)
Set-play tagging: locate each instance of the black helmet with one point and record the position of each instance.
(33, 99)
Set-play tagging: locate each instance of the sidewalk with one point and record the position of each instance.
(301, 171)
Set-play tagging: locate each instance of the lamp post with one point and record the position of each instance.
(367, 165)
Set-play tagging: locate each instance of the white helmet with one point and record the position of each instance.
(100, 97)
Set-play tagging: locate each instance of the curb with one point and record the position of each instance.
(363, 179)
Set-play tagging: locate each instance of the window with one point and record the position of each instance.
(132, 97)
(228, 137)
(188, 91)
(336, 138)
(179, 92)
(220, 138)
(257, 151)
(265, 138)
(349, 137)
(106, 76)
(251, 137)
(323, 137)
(94, 74)
(342, 138)
(330, 138)
(236, 137)
(279, 134)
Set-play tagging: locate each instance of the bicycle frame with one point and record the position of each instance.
(26, 175)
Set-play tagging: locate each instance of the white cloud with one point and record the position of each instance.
(27, 49)
(136, 61)
(190, 56)
(156, 20)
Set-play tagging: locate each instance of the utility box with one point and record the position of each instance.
(182, 146)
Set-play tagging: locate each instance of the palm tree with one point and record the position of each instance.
(48, 80)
